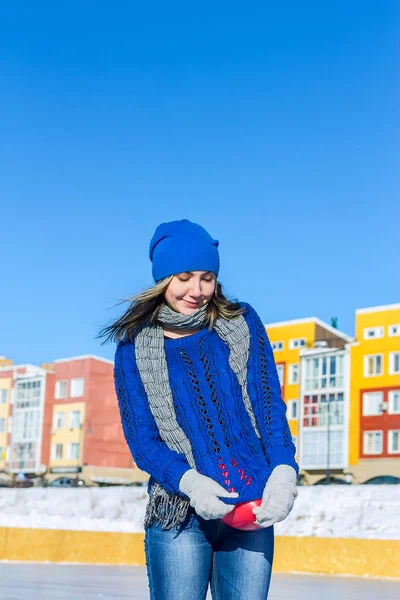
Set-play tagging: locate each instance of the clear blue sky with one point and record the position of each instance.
(273, 124)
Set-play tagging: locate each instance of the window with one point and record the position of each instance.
(26, 424)
(292, 409)
(324, 372)
(394, 330)
(2, 425)
(394, 363)
(77, 387)
(59, 420)
(319, 410)
(75, 419)
(373, 442)
(74, 451)
(62, 389)
(276, 346)
(293, 374)
(371, 333)
(3, 396)
(394, 442)
(297, 343)
(394, 402)
(281, 373)
(27, 394)
(372, 403)
(315, 452)
(24, 455)
(57, 451)
(373, 365)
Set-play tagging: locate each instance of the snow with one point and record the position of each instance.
(360, 511)
(89, 509)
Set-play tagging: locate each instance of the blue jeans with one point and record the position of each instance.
(183, 561)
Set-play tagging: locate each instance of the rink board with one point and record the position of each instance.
(345, 556)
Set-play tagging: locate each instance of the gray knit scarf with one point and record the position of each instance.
(163, 507)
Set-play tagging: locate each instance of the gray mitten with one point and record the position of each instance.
(204, 494)
(278, 497)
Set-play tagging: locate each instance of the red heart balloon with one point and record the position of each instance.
(242, 517)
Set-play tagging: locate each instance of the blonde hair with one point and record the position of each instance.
(144, 308)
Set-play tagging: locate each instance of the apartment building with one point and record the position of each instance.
(324, 411)
(27, 390)
(307, 353)
(5, 402)
(63, 419)
(374, 429)
(85, 436)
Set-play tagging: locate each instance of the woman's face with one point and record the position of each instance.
(188, 292)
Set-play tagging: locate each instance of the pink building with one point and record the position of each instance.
(63, 419)
(86, 435)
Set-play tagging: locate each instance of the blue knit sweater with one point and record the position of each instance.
(210, 410)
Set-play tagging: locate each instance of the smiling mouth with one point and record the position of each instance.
(191, 304)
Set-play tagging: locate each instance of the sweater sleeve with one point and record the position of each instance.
(150, 453)
(265, 395)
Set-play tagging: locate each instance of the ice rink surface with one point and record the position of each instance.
(72, 582)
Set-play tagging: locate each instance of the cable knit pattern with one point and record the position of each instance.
(235, 333)
(210, 408)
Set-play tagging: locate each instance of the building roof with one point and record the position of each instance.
(315, 320)
(84, 357)
(27, 366)
(377, 308)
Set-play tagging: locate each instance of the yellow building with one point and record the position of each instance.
(5, 362)
(374, 432)
(289, 339)
(67, 438)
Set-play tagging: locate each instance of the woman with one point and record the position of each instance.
(202, 414)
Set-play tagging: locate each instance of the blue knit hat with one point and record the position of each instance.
(181, 246)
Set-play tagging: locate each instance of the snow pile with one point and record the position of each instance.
(363, 511)
(89, 509)
(360, 511)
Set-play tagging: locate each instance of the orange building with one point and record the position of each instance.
(343, 394)
(374, 432)
(85, 434)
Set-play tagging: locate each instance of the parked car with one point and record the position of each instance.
(67, 482)
(383, 479)
(23, 484)
(22, 481)
(332, 481)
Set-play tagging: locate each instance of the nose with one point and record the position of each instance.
(195, 290)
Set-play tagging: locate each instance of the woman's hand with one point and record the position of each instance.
(204, 494)
(278, 497)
